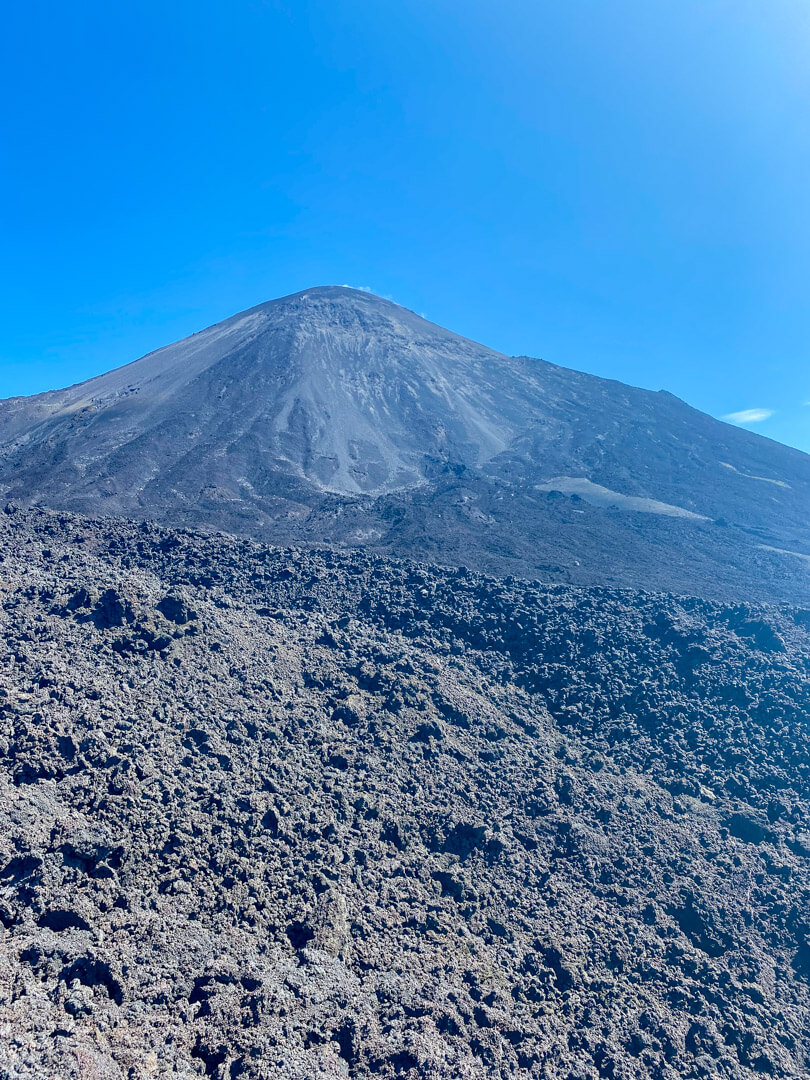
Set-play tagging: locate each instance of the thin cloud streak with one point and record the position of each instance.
(749, 416)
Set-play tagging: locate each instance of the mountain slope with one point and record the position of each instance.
(336, 388)
(333, 415)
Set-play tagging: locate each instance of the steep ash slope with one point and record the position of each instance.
(331, 389)
(273, 813)
(336, 416)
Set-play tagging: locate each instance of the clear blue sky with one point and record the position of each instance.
(619, 186)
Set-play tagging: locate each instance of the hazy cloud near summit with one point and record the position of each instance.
(749, 416)
(368, 289)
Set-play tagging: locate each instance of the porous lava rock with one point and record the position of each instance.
(278, 813)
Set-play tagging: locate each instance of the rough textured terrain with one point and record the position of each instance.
(335, 417)
(284, 814)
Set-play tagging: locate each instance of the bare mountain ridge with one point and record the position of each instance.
(335, 416)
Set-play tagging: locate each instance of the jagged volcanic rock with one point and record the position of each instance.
(290, 815)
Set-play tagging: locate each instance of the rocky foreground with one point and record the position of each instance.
(278, 814)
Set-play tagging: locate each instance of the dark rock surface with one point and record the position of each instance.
(275, 813)
(332, 417)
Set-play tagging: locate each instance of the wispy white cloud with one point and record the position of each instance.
(368, 289)
(749, 416)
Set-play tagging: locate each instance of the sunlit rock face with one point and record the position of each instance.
(335, 417)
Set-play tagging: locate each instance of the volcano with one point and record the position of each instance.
(334, 417)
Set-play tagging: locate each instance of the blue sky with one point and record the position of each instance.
(614, 185)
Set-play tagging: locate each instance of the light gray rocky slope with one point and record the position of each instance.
(287, 815)
(335, 416)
